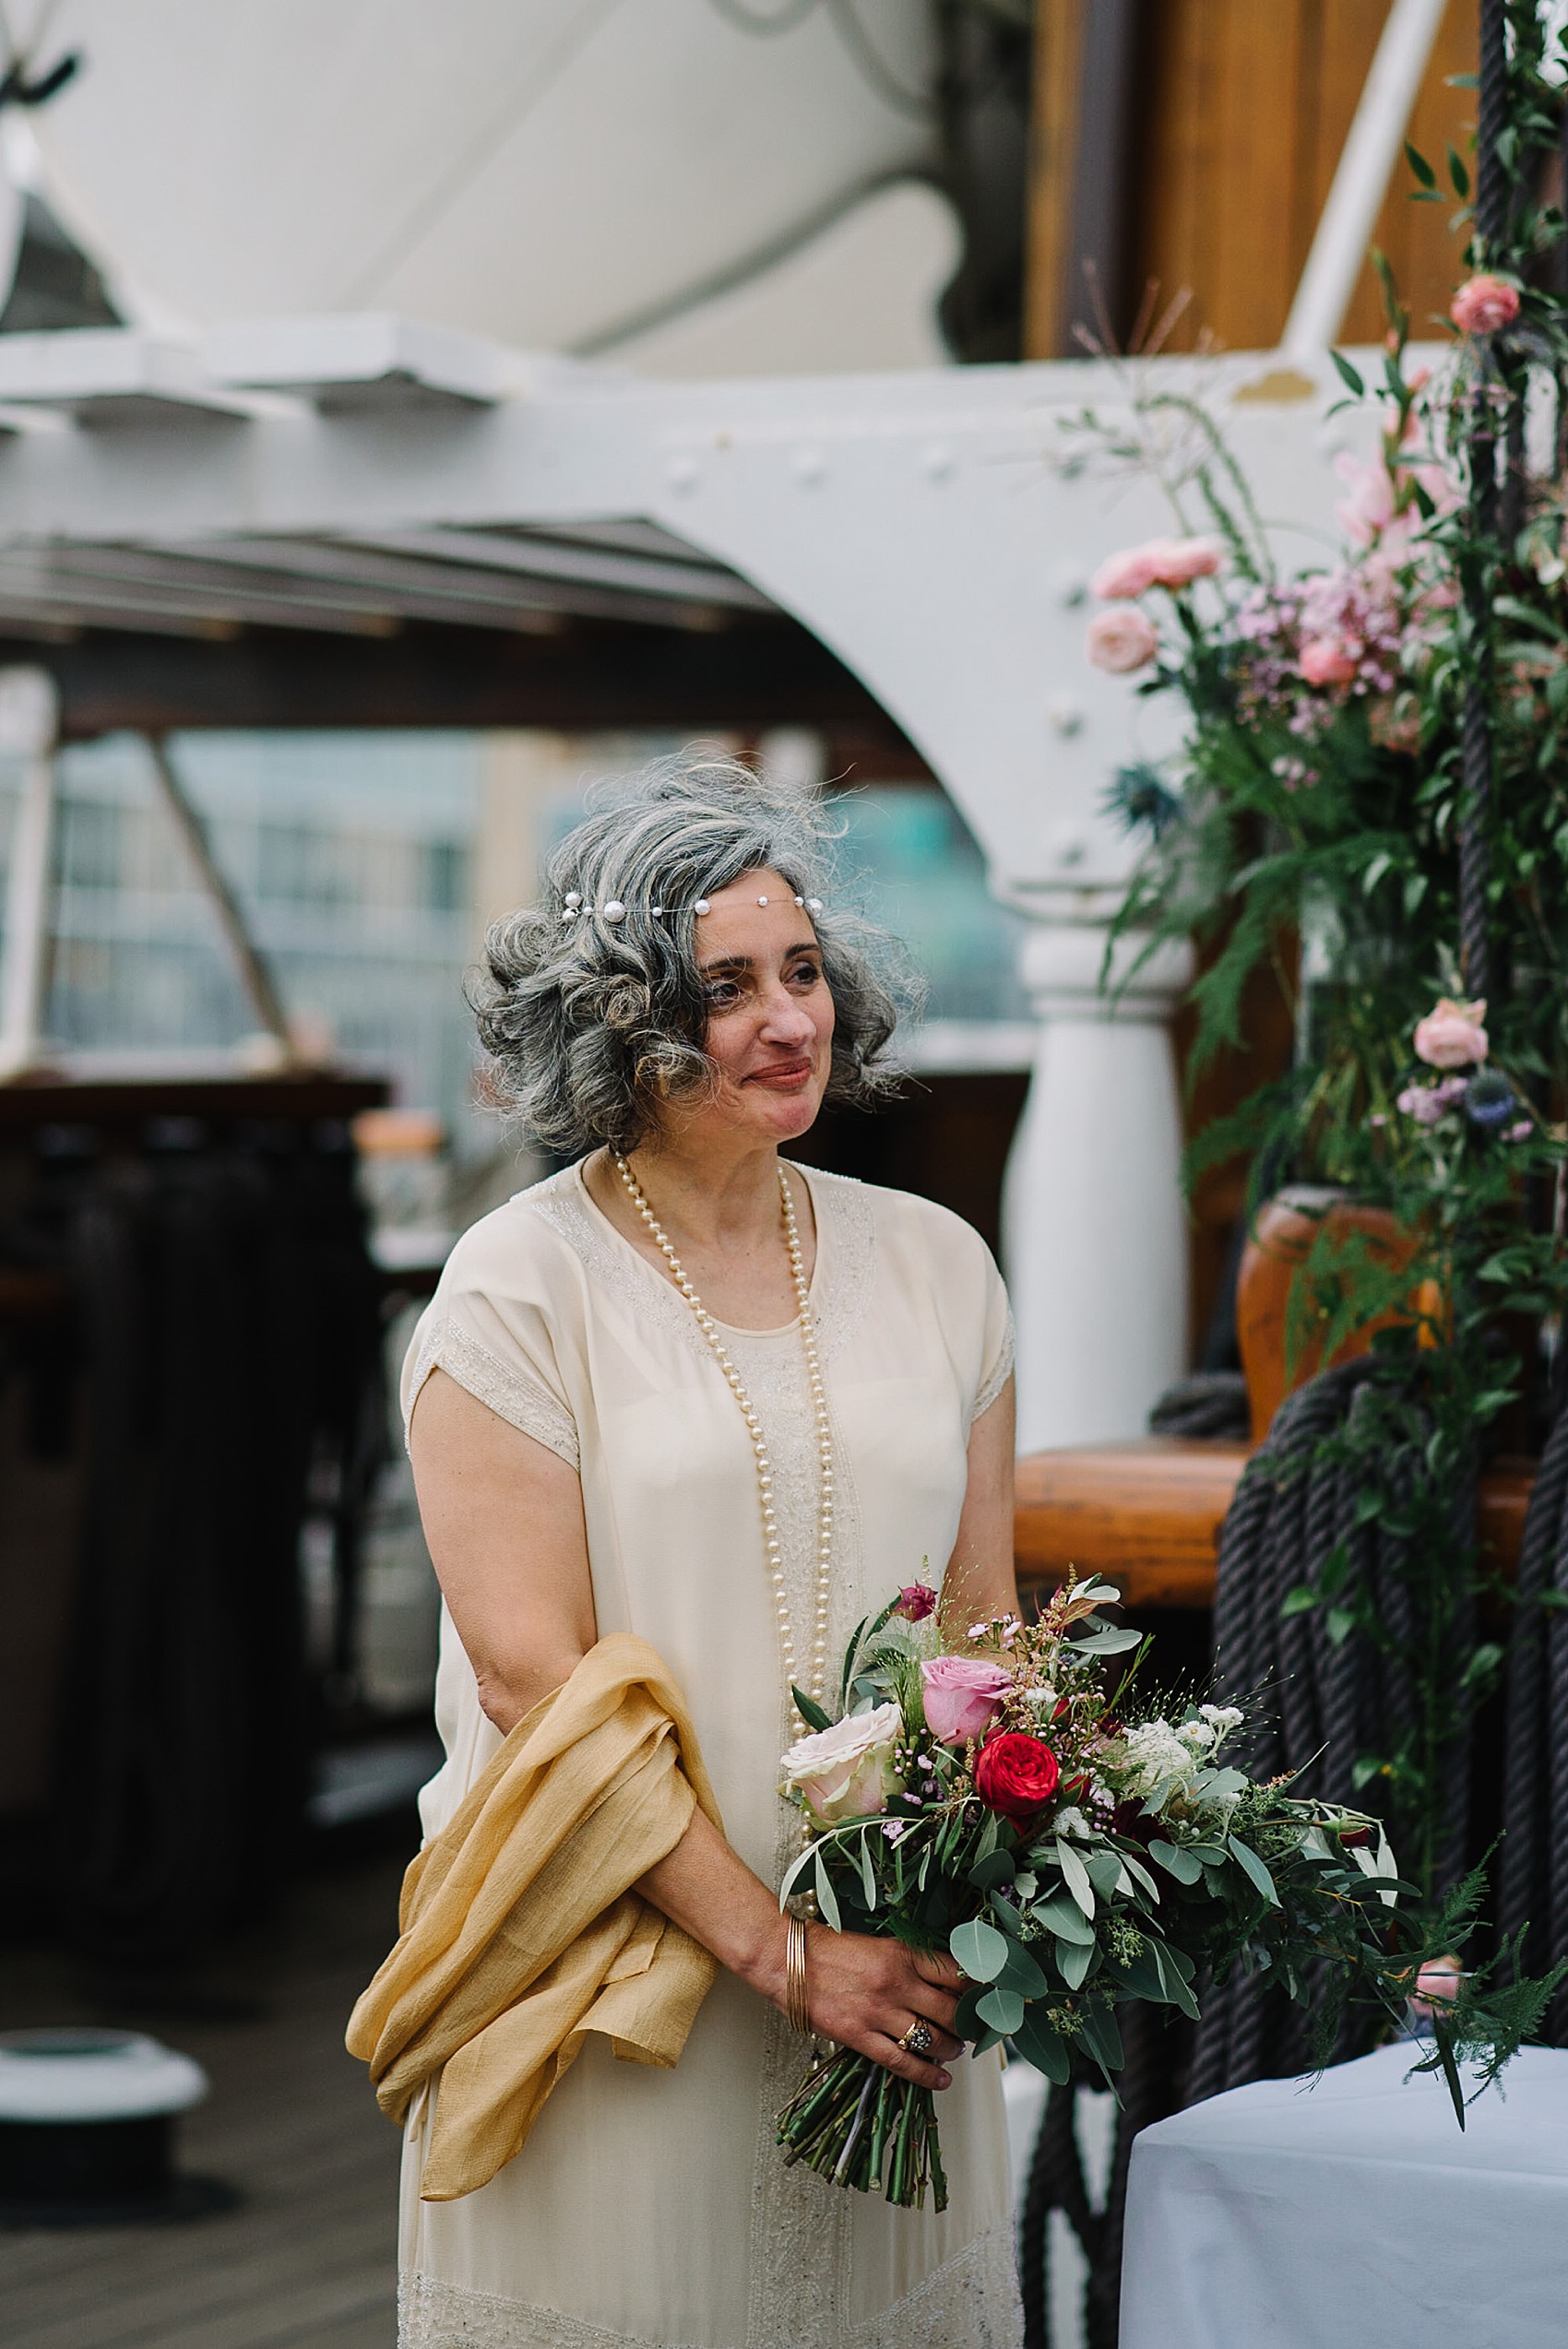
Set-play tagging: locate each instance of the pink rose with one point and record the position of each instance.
(1324, 661)
(1121, 640)
(1452, 1035)
(961, 1692)
(1483, 304)
(1160, 562)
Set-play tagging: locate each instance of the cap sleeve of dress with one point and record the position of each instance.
(490, 1327)
(998, 1349)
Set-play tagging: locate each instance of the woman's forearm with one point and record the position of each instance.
(706, 1887)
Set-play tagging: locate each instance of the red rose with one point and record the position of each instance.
(1015, 1775)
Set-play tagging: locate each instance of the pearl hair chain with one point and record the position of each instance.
(613, 911)
(771, 1543)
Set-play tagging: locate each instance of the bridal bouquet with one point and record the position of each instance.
(1001, 1803)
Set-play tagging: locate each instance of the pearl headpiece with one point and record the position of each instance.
(613, 911)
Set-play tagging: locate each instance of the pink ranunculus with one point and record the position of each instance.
(1323, 660)
(1131, 573)
(1159, 563)
(1483, 304)
(1452, 1035)
(961, 1692)
(1121, 640)
(1180, 561)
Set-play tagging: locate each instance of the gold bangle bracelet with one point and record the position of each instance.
(797, 2007)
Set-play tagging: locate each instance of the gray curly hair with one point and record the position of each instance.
(592, 1025)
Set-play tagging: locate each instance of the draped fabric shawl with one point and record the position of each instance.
(519, 1927)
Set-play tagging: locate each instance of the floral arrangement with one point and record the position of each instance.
(1315, 827)
(1003, 1804)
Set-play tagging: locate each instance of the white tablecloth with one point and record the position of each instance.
(1289, 2215)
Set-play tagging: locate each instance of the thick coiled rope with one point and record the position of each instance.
(1332, 1699)
(1532, 1879)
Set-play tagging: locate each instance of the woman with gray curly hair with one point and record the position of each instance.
(693, 1392)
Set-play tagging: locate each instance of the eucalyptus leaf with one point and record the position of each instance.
(995, 1869)
(1140, 1874)
(827, 1899)
(1114, 1641)
(1104, 1868)
(1039, 2045)
(1003, 2009)
(1143, 1978)
(1075, 1875)
(978, 1950)
(1061, 1915)
(1022, 1974)
(1177, 1991)
(1074, 1958)
(1102, 2036)
(1175, 1861)
(1252, 1866)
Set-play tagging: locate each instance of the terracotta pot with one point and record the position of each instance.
(1279, 1242)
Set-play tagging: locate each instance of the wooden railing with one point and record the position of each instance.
(1147, 1514)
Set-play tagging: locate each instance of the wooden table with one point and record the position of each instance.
(1147, 1515)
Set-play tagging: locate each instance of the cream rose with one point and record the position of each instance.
(847, 1772)
(1452, 1035)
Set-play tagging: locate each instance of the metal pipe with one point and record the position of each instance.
(1475, 743)
(1361, 179)
(254, 975)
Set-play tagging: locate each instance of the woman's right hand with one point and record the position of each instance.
(865, 1992)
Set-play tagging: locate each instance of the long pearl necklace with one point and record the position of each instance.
(771, 1545)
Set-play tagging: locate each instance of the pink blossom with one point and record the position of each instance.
(1121, 640)
(1483, 304)
(1452, 1035)
(1427, 1103)
(1131, 573)
(961, 1692)
(1159, 563)
(1520, 1132)
(1180, 561)
(1369, 509)
(1325, 660)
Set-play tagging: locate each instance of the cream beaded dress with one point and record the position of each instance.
(651, 2210)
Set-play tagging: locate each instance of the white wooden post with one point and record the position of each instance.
(1095, 1232)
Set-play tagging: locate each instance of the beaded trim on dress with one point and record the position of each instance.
(973, 2298)
(517, 1400)
(997, 1376)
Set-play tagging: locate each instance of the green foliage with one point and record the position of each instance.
(1318, 834)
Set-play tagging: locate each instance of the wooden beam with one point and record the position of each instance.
(1060, 32)
(593, 675)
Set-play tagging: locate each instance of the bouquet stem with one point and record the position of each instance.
(861, 2125)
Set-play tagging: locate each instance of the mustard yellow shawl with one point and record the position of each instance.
(519, 1928)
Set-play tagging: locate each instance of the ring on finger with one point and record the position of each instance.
(919, 2038)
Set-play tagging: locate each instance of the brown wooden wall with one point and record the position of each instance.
(1231, 124)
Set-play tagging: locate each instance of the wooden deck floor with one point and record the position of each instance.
(307, 2260)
